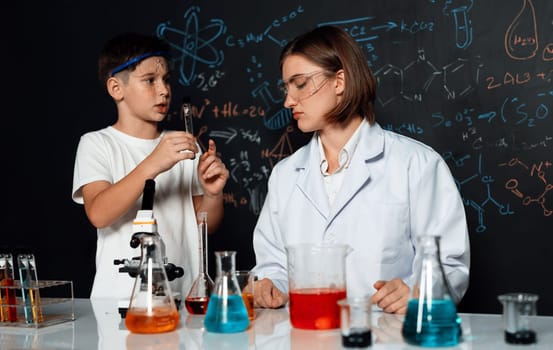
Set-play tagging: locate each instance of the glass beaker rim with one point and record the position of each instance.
(518, 297)
(355, 301)
(225, 252)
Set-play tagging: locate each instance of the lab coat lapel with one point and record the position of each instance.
(358, 175)
(310, 181)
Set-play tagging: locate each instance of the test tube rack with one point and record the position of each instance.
(52, 300)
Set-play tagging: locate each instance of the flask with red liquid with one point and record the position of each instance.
(198, 297)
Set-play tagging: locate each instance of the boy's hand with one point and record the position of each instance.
(212, 172)
(172, 148)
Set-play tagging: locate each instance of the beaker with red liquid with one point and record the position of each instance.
(317, 280)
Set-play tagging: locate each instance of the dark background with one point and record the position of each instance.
(446, 77)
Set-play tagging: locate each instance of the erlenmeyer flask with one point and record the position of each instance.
(226, 311)
(198, 296)
(152, 308)
(431, 318)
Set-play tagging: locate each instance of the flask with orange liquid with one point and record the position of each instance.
(152, 308)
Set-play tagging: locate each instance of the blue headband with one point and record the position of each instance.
(136, 60)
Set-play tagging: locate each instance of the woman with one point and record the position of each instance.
(354, 183)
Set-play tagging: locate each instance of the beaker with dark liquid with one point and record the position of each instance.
(355, 322)
(517, 309)
(226, 311)
(152, 308)
(198, 297)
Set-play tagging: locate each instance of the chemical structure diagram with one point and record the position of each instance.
(487, 181)
(457, 78)
(538, 171)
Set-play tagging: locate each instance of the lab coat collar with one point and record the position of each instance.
(310, 181)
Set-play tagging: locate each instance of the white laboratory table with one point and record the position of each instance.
(98, 326)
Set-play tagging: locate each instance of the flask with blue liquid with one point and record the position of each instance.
(431, 319)
(226, 311)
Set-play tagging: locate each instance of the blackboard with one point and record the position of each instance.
(473, 79)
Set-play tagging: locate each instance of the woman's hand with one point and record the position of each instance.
(391, 296)
(267, 295)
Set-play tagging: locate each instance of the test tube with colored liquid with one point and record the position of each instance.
(8, 310)
(29, 288)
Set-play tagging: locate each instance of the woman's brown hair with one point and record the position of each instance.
(334, 49)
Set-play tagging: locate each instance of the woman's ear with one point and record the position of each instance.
(114, 88)
(340, 82)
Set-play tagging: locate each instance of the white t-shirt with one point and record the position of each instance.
(109, 155)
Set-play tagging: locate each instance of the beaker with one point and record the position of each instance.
(198, 297)
(355, 322)
(431, 318)
(316, 280)
(226, 311)
(246, 281)
(152, 308)
(517, 307)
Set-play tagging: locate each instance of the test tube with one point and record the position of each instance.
(8, 310)
(29, 288)
(186, 115)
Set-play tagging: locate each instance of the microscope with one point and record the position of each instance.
(145, 224)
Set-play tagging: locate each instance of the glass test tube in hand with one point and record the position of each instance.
(186, 117)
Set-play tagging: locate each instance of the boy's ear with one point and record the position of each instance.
(114, 88)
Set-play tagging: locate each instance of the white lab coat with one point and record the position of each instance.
(394, 189)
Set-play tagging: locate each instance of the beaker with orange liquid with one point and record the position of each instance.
(246, 281)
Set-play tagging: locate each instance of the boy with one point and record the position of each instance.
(112, 165)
